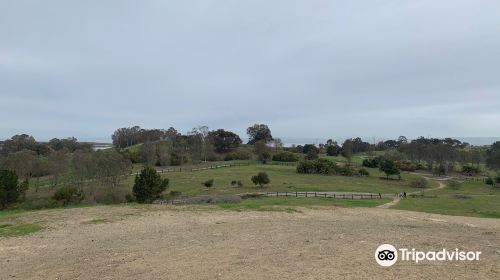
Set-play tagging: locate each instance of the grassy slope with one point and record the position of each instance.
(283, 178)
(484, 201)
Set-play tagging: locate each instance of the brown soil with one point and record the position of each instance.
(167, 242)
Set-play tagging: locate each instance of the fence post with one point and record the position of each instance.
(306, 194)
(352, 196)
(315, 194)
(380, 195)
(333, 195)
(277, 194)
(296, 194)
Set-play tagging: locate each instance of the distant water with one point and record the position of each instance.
(289, 141)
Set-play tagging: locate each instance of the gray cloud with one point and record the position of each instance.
(306, 68)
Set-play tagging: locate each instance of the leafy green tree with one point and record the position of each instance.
(493, 156)
(10, 190)
(224, 140)
(259, 132)
(333, 150)
(389, 168)
(347, 150)
(312, 154)
(149, 185)
(261, 179)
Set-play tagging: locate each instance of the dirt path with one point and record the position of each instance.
(397, 198)
(206, 243)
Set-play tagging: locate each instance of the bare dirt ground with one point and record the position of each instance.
(164, 242)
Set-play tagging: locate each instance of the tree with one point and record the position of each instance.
(149, 185)
(224, 140)
(57, 165)
(347, 149)
(312, 154)
(261, 179)
(389, 168)
(262, 151)
(82, 167)
(22, 163)
(202, 133)
(111, 166)
(69, 195)
(10, 190)
(148, 154)
(278, 144)
(259, 132)
(333, 150)
(493, 156)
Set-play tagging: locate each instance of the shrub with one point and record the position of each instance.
(68, 195)
(149, 185)
(130, 198)
(347, 170)
(454, 184)
(469, 170)
(373, 162)
(261, 179)
(236, 184)
(419, 183)
(208, 183)
(489, 181)
(407, 166)
(319, 166)
(240, 184)
(286, 157)
(363, 172)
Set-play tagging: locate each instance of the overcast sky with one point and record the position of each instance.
(307, 68)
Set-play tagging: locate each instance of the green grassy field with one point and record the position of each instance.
(472, 199)
(283, 178)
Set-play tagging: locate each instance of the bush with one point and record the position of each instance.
(454, 184)
(130, 198)
(208, 183)
(372, 163)
(469, 170)
(363, 172)
(238, 155)
(389, 168)
(68, 195)
(407, 166)
(261, 179)
(489, 181)
(286, 157)
(149, 185)
(420, 183)
(319, 166)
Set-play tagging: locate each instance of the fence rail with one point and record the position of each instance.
(327, 195)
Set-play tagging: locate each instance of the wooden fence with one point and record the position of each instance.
(327, 195)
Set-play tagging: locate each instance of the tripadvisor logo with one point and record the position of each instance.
(387, 255)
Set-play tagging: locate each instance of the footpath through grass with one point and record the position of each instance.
(474, 199)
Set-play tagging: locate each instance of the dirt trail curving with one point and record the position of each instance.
(397, 198)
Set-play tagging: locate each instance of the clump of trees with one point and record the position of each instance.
(68, 195)
(327, 167)
(259, 132)
(149, 185)
(261, 179)
(10, 189)
(286, 157)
